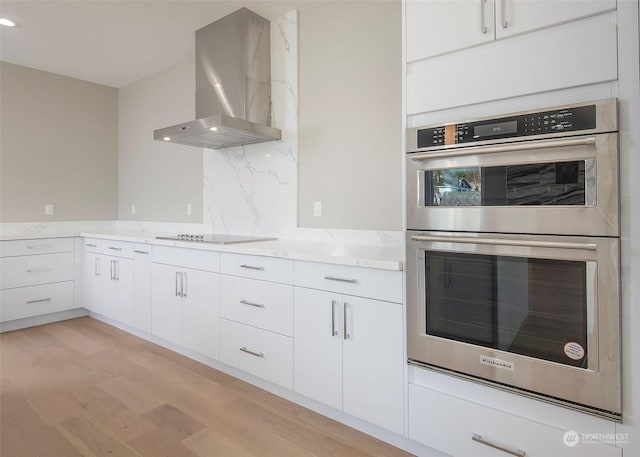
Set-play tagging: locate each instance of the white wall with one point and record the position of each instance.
(160, 179)
(59, 140)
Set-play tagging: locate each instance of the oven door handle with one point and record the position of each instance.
(512, 147)
(586, 246)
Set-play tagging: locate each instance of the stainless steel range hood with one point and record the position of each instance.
(233, 85)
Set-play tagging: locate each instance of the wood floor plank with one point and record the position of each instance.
(99, 443)
(173, 422)
(24, 434)
(82, 387)
(158, 444)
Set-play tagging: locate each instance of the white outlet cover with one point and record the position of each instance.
(188, 209)
(48, 209)
(317, 209)
(133, 209)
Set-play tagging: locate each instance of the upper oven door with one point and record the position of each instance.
(566, 186)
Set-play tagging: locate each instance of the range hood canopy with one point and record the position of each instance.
(233, 85)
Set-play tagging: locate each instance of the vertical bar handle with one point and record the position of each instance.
(111, 269)
(97, 266)
(333, 317)
(503, 13)
(346, 333)
(117, 262)
(184, 291)
(483, 16)
(177, 273)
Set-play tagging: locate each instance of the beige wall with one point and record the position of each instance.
(160, 179)
(59, 144)
(350, 114)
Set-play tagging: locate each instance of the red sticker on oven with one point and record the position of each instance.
(574, 350)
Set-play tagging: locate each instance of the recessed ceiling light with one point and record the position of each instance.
(213, 129)
(6, 22)
(166, 138)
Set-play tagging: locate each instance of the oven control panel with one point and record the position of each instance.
(521, 125)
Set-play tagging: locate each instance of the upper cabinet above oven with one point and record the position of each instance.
(465, 52)
(442, 26)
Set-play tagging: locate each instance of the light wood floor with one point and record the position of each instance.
(83, 388)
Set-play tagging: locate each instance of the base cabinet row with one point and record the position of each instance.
(342, 350)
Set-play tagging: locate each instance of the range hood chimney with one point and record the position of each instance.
(233, 85)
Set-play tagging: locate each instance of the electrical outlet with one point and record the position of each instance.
(188, 209)
(48, 209)
(317, 209)
(133, 210)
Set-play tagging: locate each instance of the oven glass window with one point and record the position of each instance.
(554, 183)
(529, 306)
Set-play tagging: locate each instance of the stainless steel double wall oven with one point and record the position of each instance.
(513, 253)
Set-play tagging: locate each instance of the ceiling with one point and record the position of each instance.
(112, 42)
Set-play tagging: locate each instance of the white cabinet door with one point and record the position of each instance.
(166, 310)
(108, 293)
(91, 281)
(514, 17)
(373, 363)
(122, 306)
(439, 26)
(201, 297)
(142, 288)
(317, 347)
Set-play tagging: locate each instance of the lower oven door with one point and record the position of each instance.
(538, 313)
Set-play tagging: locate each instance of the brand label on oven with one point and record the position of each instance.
(574, 350)
(497, 363)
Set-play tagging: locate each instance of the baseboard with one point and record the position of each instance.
(42, 319)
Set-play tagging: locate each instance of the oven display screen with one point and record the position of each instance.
(500, 128)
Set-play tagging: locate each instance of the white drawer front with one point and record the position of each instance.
(35, 269)
(189, 258)
(257, 267)
(93, 245)
(36, 246)
(448, 424)
(261, 304)
(35, 300)
(362, 282)
(264, 354)
(117, 248)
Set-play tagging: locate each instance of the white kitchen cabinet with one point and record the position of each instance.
(449, 424)
(116, 289)
(185, 307)
(108, 279)
(514, 17)
(436, 27)
(439, 26)
(348, 354)
(142, 287)
(36, 277)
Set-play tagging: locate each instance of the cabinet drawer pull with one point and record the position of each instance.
(38, 301)
(39, 270)
(481, 440)
(141, 252)
(251, 267)
(248, 351)
(40, 246)
(113, 248)
(257, 305)
(89, 245)
(335, 278)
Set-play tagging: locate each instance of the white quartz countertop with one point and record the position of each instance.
(361, 255)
